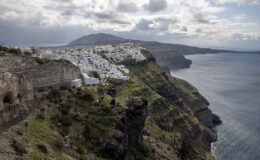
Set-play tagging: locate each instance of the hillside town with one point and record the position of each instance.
(99, 63)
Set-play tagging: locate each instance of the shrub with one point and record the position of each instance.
(15, 51)
(42, 148)
(27, 53)
(41, 60)
(66, 121)
(54, 96)
(18, 147)
(94, 74)
(64, 131)
(105, 104)
(5, 49)
(85, 94)
(40, 116)
(62, 60)
(65, 107)
(58, 143)
(146, 148)
(101, 89)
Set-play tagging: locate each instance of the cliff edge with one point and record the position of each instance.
(150, 116)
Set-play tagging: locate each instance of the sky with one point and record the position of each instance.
(206, 23)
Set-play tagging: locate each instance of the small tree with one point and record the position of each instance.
(33, 50)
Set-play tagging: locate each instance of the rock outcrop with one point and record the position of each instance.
(130, 128)
(22, 77)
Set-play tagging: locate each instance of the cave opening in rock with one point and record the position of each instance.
(7, 99)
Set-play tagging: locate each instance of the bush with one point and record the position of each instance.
(41, 60)
(85, 94)
(18, 147)
(15, 51)
(42, 148)
(40, 116)
(146, 148)
(65, 107)
(54, 96)
(101, 89)
(5, 49)
(94, 74)
(66, 121)
(58, 143)
(62, 60)
(64, 131)
(27, 53)
(105, 104)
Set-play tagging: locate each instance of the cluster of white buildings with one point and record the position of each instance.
(104, 60)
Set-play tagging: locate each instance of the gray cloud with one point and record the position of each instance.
(143, 25)
(155, 5)
(160, 24)
(199, 17)
(184, 28)
(199, 30)
(127, 7)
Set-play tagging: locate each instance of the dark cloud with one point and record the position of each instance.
(199, 17)
(11, 34)
(184, 28)
(199, 30)
(128, 7)
(155, 5)
(161, 24)
(101, 15)
(143, 25)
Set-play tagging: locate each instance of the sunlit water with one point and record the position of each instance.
(231, 83)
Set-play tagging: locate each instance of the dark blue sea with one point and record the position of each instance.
(231, 83)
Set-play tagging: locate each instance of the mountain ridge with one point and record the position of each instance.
(168, 55)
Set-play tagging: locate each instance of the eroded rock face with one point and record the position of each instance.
(15, 88)
(134, 121)
(21, 76)
(129, 131)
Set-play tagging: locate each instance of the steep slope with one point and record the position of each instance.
(151, 116)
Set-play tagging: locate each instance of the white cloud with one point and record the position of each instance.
(239, 16)
(251, 2)
(191, 20)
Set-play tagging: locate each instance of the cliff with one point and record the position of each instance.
(22, 77)
(151, 116)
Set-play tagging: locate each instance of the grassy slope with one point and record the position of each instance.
(170, 123)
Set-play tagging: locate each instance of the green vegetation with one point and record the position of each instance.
(41, 60)
(54, 96)
(42, 148)
(94, 74)
(62, 60)
(89, 123)
(85, 94)
(65, 107)
(16, 51)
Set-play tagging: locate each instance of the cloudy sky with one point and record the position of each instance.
(214, 23)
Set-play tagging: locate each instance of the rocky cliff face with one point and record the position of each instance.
(130, 128)
(151, 116)
(178, 108)
(21, 76)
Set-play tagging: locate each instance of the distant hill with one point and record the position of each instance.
(97, 39)
(169, 56)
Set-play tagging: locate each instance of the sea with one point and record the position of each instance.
(231, 83)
